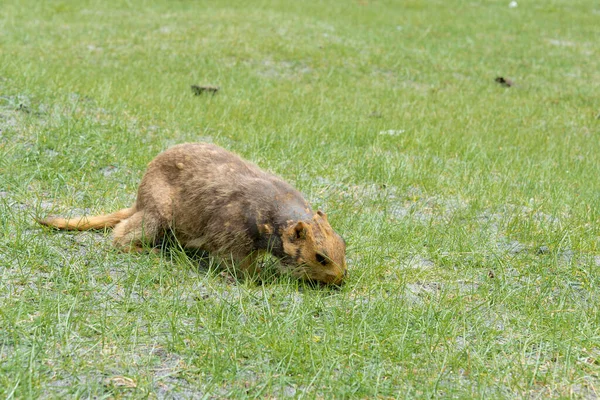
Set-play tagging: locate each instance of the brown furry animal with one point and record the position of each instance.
(213, 200)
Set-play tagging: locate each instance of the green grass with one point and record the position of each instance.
(471, 210)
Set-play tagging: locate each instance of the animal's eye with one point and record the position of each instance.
(321, 259)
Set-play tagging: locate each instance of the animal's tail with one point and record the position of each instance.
(91, 222)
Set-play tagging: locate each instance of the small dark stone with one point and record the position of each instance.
(23, 108)
(542, 250)
(504, 81)
(198, 89)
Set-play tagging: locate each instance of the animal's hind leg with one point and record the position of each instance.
(136, 231)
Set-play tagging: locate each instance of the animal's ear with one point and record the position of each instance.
(300, 230)
(322, 214)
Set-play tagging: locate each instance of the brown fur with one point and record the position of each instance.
(213, 200)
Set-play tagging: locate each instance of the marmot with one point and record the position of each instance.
(211, 199)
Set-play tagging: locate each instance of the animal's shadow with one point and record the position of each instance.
(201, 261)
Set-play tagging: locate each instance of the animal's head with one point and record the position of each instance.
(314, 251)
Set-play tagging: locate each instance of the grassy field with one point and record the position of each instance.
(471, 210)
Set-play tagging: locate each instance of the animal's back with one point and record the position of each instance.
(203, 162)
(206, 172)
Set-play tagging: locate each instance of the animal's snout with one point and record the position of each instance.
(340, 281)
(341, 276)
